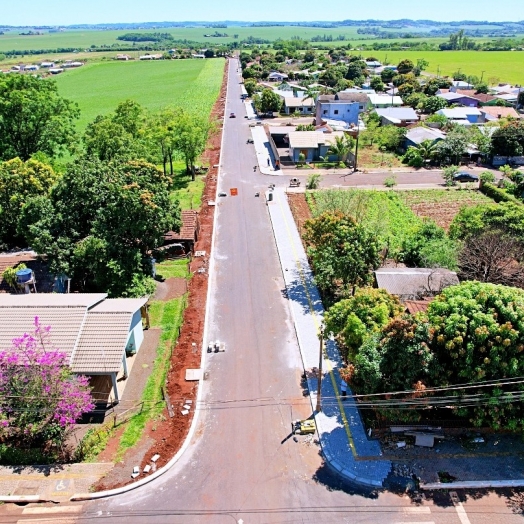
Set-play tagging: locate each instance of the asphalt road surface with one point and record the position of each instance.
(242, 466)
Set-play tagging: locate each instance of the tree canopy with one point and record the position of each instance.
(343, 253)
(34, 118)
(100, 223)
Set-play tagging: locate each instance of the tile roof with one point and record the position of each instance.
(102, 342)
(295, 101)
(65, 323)
(188, 229)
(44, 280)
(499, 112)
(414, 283)
(417, 306)
(307, 139)
(92, 331)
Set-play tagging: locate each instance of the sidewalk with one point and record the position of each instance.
(341, 432)
(265, 158)
(496, 462)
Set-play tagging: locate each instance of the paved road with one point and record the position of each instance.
(241, 466)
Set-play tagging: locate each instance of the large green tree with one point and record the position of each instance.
(100, 223)
(267, 101)
(34, 118)
(353, 319)
(19, 181)
(343, 253)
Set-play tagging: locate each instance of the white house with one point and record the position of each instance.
(381, 101)
(98, 334)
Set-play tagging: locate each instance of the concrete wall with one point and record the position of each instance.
(136, 333)
(338, 111)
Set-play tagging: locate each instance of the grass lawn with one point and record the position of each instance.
(168, 316)
(173, 268)
(372, 157)
(98, 87)
(508, 66)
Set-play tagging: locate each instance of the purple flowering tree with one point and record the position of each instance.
(40, 397)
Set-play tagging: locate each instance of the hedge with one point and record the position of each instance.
(498, 194)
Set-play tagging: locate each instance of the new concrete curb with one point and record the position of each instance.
(194, 423)
(21, 499)
(324, 445)
(473, 484)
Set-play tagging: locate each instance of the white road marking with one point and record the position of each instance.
(459, 508)
(419, 510)
(47, 521)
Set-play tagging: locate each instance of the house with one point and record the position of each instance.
(97, 334)
(373, 64)
(47, 64)
(275, 76)
(414, 283)
(457, 98)
(345, 106)
(311, 144)
(123, 57)
(150, 57)
(492, 113)
(460, 84)
(462, 115)
(381, 100)
(397, 116)
(189, 231)
(415, 136)
(55, 70)
(300, 104)
(31, 67)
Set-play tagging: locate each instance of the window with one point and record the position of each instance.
(335, 111)
(324, 112)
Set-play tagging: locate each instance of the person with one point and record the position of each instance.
(343, 388)
(254, 168)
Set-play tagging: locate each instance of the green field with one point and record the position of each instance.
(99, 87)
(508, 66)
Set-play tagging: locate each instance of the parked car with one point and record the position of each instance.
(464, 176)
(232, 115)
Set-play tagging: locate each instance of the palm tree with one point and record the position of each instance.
(427, 149)
(341, 148)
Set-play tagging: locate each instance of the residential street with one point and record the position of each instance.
(240, 466)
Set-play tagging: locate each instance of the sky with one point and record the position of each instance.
(66, 12)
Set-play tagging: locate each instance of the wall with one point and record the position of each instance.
(338, 111)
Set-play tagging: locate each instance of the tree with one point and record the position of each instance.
(508, 139)
(341, 148)
(34, 117)
(268, 101)
(190, 133)
(390, 137)
(427, 150)
(343, 253)
(452, 148)
(353, 319)
(433, 103)
(160, 133)
(476, 337)
(387, 75)
(331, 75)
(415, 100)
(377, 84)
(448, 174)
(19, 181)
(429, 246)
(355, 73)
(434, 84)
(405, 66)
(41, 397)
(251, 86)
(493, 256)
(100, 223)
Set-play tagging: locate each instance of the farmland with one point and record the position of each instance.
(441, 205)
(99, 87)
(508, 66)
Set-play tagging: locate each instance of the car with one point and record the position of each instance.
(464, 176)
(232, 115)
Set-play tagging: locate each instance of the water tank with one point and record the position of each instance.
(24, 275)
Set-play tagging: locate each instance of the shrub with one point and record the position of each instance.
(390, 181)
(498, 194)
(313, 181)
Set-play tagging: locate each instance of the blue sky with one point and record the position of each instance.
(63, 12)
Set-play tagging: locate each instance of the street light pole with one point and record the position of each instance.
(320, 359)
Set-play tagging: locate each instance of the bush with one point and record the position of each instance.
(313, 181)
(498, 194)
(413, 157)
(390, 181)
(487, 177)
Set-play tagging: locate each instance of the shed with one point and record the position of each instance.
(414, 283)
(189, 231)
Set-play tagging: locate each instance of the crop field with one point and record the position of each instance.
(99, 87)
(383, 211)
(508, 66)
(441, 205)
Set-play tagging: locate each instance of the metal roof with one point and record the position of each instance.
(400, 113)
(51, 300)
(417, 135)
(293, 101)
(413, 283)
(307, 139)
(385, 99)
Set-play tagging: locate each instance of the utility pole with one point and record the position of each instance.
(320, 359)
(356, 149)
(482, 76)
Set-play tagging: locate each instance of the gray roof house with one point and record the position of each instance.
(97, 333)
(417, 135)
(414, 283)
(397, 116)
